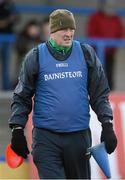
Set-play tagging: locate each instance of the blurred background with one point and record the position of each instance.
(100, 23)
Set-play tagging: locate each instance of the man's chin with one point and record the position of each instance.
(67, 44)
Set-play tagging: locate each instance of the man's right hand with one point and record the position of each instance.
(18, 142)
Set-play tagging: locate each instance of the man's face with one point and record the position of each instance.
(64, 37)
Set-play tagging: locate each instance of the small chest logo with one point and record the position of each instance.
(62, 65)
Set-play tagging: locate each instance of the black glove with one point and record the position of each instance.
(109, 137)
(18, 142)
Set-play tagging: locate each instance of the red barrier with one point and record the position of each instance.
(118, 104)
(33, 170)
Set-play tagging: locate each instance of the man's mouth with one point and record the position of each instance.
(67, 39)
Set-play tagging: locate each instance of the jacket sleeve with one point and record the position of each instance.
(21, 104)
(98, 87)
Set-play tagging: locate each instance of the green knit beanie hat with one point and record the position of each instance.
(61, 19)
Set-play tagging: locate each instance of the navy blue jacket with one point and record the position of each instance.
(98, 88)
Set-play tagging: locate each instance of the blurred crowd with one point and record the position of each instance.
(32, 33)
(106, 24)
(102, 24)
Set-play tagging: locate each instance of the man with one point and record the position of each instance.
(28, 38)
(63, 84)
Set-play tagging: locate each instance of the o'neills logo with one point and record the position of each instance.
(63, 75)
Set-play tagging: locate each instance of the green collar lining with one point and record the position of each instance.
(58, 48)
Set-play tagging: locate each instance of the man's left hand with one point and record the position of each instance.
(109, 137)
